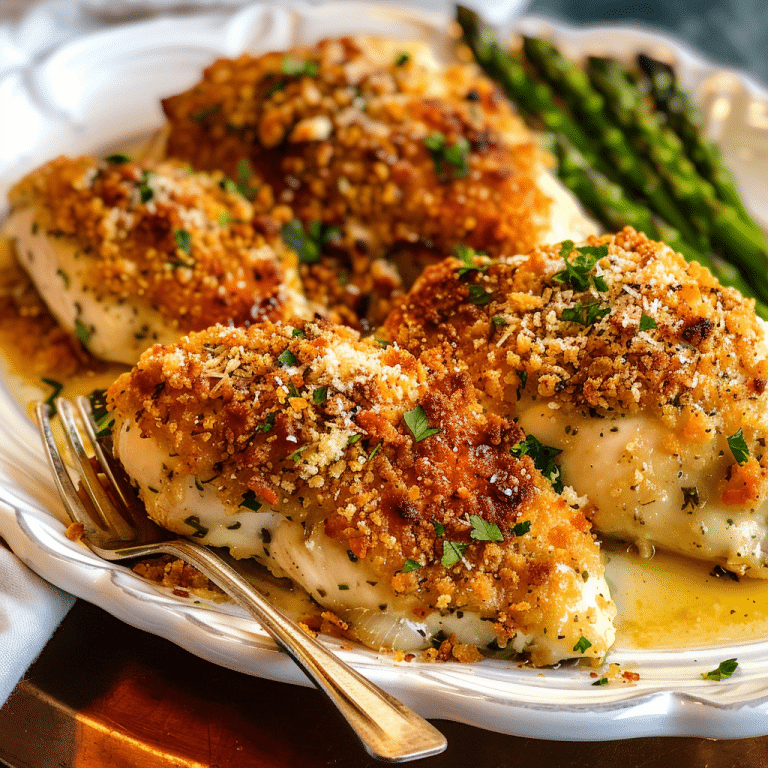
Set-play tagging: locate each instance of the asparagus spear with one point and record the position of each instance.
(732, 237)
(682, 115)
(591, 109)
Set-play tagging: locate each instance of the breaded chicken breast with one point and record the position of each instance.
(641, 371)
(125, 255)
(382, 151)
(374, 480)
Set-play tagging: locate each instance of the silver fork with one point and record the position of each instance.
(116, 527)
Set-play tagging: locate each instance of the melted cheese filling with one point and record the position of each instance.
(647, 494)
(111, 329)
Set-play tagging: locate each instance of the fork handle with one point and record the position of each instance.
(387, 728)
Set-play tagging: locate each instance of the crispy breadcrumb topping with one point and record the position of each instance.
(184, 243)
(393, 456)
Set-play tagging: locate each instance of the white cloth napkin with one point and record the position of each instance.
(30, 608)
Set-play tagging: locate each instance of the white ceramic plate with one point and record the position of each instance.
(103, 89)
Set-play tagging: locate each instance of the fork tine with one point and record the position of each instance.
(112, 519)
(64, 485)
(112, 469)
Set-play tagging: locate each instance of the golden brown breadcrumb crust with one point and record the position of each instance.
(313, 421)
(699, 363)
(343, 132)
(160, 235)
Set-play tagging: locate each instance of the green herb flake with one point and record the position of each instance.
(402, 59)
(416, 421)
(410, 565)
(724, 670)
(578, 271)
(296, 68)
(601, 681)
(646, 323)
(479, 295)
(296, 455)
(453, 551)
(738, 446)
(499, 321)
(57, 386)
(585, 314)
(287, 358)
(320, 395)
(455, 155)
(183, 240)
(117, 159)
(382, 343)
(297, 333)
(203, 114)
(582, 645)
(269, 422)
(343, 587)
(439, 528)
(200, 531)
(353, 439)
(101, 416)
(520, 529)
(301, 242)
(225, 219)
(83, 331)
(146, 193)
(482, 530)
(543, 459)
(373, 453)
(249, 501)
(468, 255)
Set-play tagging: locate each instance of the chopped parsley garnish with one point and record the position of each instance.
(646, 323)
(249, 501)
(295, 68)
(455, 155)
(292, 391)
(582, 645)
(296, 455)
(601, 681)
(373, 453)
(410, 565)
(520, 529)
(207, 112)
(416, 421)
(320, 395)
(117, 159)
(453, 551)
(352, 439)
(439, 528)
(101, 416)
(83, 331)
(499, 321)
(308, 243)
(403, 58)
(738, 446)
(225, 219)
(585, 314)
(479, 295)
(382, 343)
(57, 387)
(725, 669)
(343, 587)
(287, 358)
(183, 240)
(193, 521)
(482, 530)
(578, 272)
(269, 422)
(146, 193)
(298, 333)
(543, 459)
(467, 255)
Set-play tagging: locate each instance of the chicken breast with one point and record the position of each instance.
(642, 374)
(126, 255)
(386, 153)
(372, 479)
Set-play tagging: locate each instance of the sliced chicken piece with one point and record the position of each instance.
(125, 255)
(645, 374)
(372, 479)
(385, 151)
